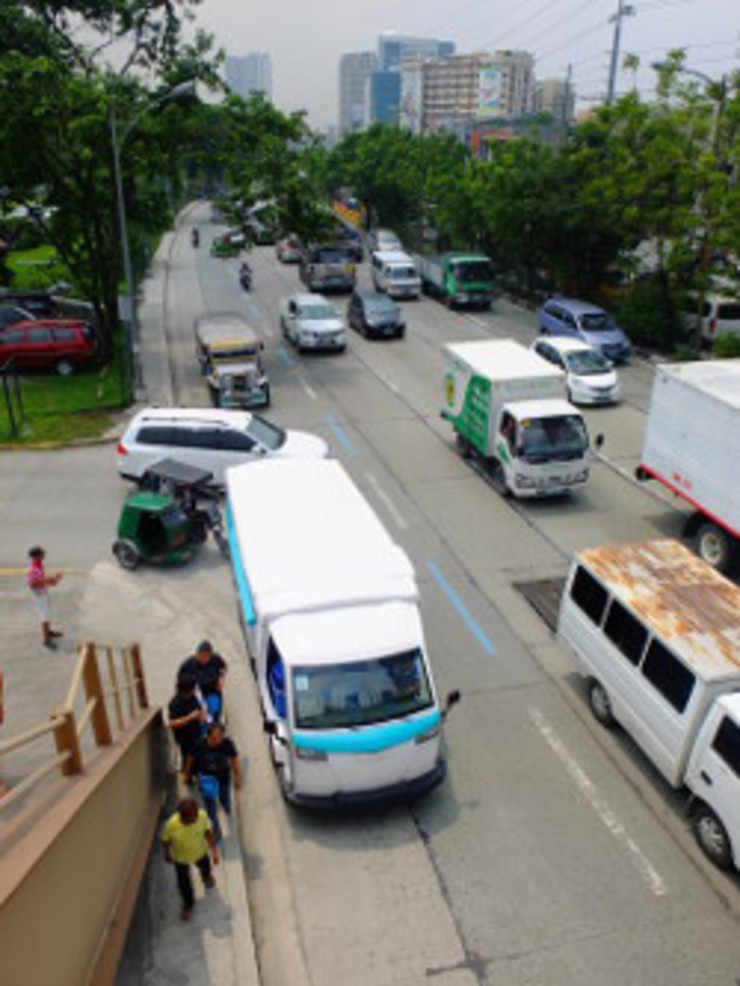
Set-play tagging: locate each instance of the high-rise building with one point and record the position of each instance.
(355, 70)
(385, 97)
(557, 97)
(250, 73)
(396, 53)
(486, 85)
(394, 49)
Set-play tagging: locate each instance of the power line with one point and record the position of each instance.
(548, 32)
(576, 37)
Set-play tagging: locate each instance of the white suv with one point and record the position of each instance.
(208, 438)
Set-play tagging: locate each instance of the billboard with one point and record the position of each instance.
(411, 99)
(489, 91)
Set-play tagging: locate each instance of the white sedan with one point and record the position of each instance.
(309, 321)
(590, 376)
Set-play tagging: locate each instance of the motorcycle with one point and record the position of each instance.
(195, 238)
(245, 276)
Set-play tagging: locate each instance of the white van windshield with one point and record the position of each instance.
(335, 696)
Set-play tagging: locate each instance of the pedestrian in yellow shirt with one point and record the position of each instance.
(187, 838)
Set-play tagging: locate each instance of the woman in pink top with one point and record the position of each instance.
(39, 582)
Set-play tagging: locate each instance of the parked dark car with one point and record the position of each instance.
(584, 321)
(350, 240)
(375, 315)
(38, 304)
(46, 344)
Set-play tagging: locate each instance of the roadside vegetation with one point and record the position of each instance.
(637, 208)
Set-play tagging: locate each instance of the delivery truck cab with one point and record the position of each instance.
(332, 624)
(655, 632)
(507, 405)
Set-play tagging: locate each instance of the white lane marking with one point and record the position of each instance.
(648, 872)
(307, 387)
(268, 331)
(477, 321)
(389, 383)
(390, 505)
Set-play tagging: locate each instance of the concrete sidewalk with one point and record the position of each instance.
(169, 612)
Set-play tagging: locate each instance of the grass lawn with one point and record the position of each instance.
(36, 269)
(61, 409)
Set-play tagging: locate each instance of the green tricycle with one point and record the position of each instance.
(168, 518)
(227, 245)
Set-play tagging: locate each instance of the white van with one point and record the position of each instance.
(656, 633)
(332, 624)
(394, 272)
(720, 316)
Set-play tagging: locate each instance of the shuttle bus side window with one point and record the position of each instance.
(589, 595)
(674, 681)
(727, 744)
(276, 680)
(627, 633)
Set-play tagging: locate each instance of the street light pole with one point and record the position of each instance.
(187, 88)
(128, 312)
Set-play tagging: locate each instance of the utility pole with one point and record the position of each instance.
(623, 10)
(565, 116)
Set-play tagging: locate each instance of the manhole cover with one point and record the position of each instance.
(543, 595)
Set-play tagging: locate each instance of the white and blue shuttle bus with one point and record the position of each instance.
(332, 624)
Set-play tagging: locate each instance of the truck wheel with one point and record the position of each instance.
(714, 546)
(712, 837)
(127, 554)
(499, 480)
(463, 446)
(600, 704)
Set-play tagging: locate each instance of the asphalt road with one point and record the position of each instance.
(539, 860)
(553, 853)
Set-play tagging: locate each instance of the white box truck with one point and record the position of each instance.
(507, 405)
(656, 633)
(332, 624)
(692, 447)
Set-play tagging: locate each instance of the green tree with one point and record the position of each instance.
(56, 99)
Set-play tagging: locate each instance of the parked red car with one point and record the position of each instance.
(45, 344)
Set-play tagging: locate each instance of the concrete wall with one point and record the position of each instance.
(68, 882)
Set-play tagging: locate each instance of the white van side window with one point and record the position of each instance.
(672, 679)
(589, 595)
(727, 744)
(625, 632)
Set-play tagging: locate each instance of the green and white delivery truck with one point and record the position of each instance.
(507, 405)
(460, 280)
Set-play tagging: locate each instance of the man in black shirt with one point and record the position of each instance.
(214, 760)
(186, 715)
(209, 671)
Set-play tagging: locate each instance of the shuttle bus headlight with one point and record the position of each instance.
(427, 735)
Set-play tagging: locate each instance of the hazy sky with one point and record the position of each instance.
(307, 37)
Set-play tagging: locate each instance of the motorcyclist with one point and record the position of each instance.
(195, 237)
(245, 274)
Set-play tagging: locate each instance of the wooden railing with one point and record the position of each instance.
(121, 686)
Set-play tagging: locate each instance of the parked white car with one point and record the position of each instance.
(208, 438)
(590, 376)
(309, 321)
